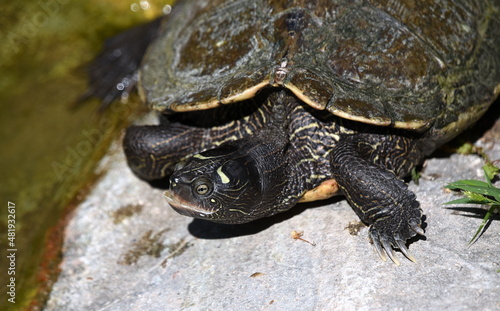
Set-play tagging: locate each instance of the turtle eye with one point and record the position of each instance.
(202, 187)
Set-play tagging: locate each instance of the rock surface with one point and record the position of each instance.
(125, 249)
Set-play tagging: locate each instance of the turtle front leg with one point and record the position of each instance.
(153, 151)
(368, 168)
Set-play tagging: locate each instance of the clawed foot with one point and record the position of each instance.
(368, 169)
(386, 234)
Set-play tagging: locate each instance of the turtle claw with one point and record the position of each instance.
(383, 247)
(385, 242)
(417, 228)
(402, 247)
(390, 251)
(378, 247)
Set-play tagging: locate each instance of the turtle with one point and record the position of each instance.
(266, 104)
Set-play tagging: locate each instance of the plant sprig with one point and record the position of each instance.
(479, 192)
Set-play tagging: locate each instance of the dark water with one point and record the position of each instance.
(48, 149)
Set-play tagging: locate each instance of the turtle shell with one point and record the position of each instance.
(435, 63)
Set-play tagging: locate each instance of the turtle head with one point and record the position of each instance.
(221, 185)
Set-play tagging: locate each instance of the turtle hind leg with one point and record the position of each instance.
(113, 73)
(367, 168)
(152, 151)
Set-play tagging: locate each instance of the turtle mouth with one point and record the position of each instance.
(184, 208)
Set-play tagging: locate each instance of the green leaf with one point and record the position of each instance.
(475, 186)
(479, 192)
(490, 171)
(415, 176)
(467, 201)
(465, 183)
(477, 197)
(466, 148)
(483, 223)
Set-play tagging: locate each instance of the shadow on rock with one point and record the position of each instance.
(473, 212)
(205, 229)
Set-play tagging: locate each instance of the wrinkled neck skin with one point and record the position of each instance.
(283, 174)
(266, 153)
(268, 150)
(260, 174)
(277, 170)
(246, 179)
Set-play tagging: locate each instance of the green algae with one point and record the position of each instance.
(49, 149)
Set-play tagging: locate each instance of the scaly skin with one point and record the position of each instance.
(366, 167)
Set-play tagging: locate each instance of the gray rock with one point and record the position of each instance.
(125, 249)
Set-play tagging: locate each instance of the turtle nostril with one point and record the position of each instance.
(174, 181)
